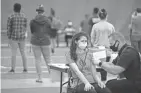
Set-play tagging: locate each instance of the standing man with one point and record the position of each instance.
(16, 32)
(135, 28)
(94, 19)
(127, 63)
(85, 24)
(69, 31)
(55, 27)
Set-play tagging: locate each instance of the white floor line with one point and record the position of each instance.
(18, 72)
(4, 67)
(7, 44)
(28, 83)
(27, 45)
(31, 56)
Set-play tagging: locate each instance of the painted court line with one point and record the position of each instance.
(4, 67)
(17, 68)
(29, 72)
(28, 83)
(31, 57)
(29, 45)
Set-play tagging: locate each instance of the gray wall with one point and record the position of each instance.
(119, 11)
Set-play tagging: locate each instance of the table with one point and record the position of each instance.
(62, 68)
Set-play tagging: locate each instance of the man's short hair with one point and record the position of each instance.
(117, 36)
(95, 10)
(138, 10)
(17, 7)
(86, 15)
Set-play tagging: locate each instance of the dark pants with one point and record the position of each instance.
(103, 75)
(67, 37)
(137, 45)
(122, 86)
(136, 42)
(103, 72)
(80, 89)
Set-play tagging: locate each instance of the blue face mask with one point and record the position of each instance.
(114, 47)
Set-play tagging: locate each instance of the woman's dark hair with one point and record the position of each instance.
(102, 14)
(17, 7)
(73, 46)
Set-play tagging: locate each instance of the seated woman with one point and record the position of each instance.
(79, 59)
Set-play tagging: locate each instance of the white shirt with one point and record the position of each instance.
(136, 24)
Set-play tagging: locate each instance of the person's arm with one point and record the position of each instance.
(93, 36)
(81, 24)
(111, 68)
(113, 29)
(9, 25)
(31, 27)
(25, 21)
(122, 63)
(74, 67)
(96, 77)
(131, 25)
(94, 73)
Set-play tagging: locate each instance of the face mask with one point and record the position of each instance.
(82, 45)
(114, 47)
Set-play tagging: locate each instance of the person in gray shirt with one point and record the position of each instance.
(135, 30)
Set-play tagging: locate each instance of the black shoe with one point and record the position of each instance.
(12, 71)
(39, 81)
(25, 70)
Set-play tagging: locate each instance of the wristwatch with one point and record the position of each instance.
(100, 63)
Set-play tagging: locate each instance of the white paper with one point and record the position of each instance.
(60, 65)
(101, 47)
(99, 55)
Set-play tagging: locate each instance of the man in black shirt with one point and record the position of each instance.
(127, 63)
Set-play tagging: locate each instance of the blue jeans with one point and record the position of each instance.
(46, 52)
(14, 46)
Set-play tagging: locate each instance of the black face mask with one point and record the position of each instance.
(114, 47)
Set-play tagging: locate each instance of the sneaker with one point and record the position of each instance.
(39, 81)
(12, 71)
(25, 70)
